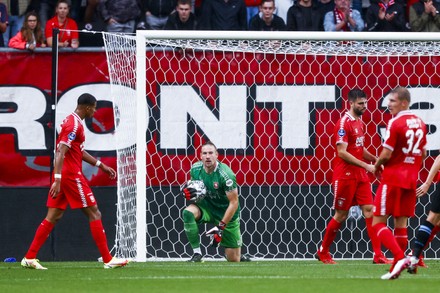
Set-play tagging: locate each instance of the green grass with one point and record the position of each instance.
(217, 276)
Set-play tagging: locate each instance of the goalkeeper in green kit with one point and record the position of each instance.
(219, 206)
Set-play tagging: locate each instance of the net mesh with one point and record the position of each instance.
(270, 107)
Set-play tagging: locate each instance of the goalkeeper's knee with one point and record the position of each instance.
(188, 217)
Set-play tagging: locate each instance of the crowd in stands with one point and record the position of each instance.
(19, 28)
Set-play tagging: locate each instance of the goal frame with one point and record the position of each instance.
(143, 35)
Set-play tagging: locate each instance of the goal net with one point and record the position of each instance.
(269, 101)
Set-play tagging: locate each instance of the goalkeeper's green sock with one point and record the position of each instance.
(191, 229)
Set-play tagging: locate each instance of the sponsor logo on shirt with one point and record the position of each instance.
(72, 136)
(360, 141)
(409, 160)
(341, 132)
(229, 182)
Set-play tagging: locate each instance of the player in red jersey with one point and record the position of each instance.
(351, 184)
(68, 35)
(70, 187)
(398, 166)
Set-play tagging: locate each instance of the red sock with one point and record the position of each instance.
(375, 241)
(386, 237)
(401, 235)
(40, 237)
(330, 234)
(100, 238)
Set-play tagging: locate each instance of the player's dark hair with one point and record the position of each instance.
(63, 1)
(356, 93)
(184, 2)
(402, 94)
(86, 99)
(264, 1)
(210, 143)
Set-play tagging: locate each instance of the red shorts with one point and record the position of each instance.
(394, 201)
(350, 192)
(75, 191)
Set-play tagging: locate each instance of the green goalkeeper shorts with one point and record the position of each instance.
(231, 237)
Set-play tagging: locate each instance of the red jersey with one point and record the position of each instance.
(350, 131)
(72, 135)
(406, 138)
(68, 30)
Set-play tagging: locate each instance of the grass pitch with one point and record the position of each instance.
(217, 276)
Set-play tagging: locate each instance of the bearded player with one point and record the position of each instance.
(69, 186)
(220, 207)
(350, 180)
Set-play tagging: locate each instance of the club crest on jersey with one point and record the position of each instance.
(215, 185)
(72, 136)
(341, 201)
(341, 132)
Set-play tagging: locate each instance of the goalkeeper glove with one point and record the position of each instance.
(216, 234)
(189, 193)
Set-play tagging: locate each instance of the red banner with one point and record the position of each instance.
(271, 116)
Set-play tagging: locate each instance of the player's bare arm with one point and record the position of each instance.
(350, 159)
(369, 156)
(384, 156)
(62, 149)
(233, 205)
(94, 162)
(435, 168)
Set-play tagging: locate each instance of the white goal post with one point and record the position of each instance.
(269, 101)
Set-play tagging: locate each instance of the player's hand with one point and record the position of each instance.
(55, 188)
(109, 170)
(382, 13)
(216, 234)
(370, 168)
(422, 190)
(378, 172)
(390, 16)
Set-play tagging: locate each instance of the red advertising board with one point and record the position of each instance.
(275, 149)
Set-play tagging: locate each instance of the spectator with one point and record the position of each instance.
(305, 15)
(120, 15)
(266, 20)
(252, 8)
(3, 22)
(326, 6)
(282, 8)
(424, 16)
(343, 18)
(46, 9)
(68, 35)
(223, 15)
(89, 13)
(157, 12)
(17, 10)
(385, 16)
(30, 36)
(357, 5)
(182, 18)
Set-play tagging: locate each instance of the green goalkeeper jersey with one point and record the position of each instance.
(218, 183)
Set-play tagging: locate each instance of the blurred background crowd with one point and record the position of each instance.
(28, 24)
